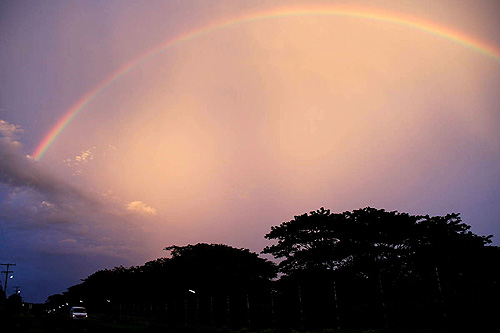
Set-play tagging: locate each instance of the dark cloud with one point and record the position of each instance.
(43, 217)
(23, 174)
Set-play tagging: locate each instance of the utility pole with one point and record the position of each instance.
(7, 276)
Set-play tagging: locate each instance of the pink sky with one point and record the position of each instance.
(220, 137)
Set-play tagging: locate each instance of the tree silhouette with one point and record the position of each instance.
(14, 303)
(222, 267)
(367, 268)
(432, 268)
(363, 240)
(3, 297)
(197, 283)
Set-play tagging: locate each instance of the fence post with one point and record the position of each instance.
(441, 297)
(273, 320)
(384, 310)
(301, 310)
(336, 305)
(248, 311)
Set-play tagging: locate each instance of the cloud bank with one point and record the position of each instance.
(44, 216)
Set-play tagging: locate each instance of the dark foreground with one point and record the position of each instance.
(42, 323)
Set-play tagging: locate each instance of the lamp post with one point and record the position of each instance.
(186, 307)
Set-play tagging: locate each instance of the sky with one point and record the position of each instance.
(211, 121)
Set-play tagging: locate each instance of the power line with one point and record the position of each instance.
(6, 275)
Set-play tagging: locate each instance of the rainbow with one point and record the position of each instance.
(396, 18)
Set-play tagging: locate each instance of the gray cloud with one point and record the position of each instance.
(55, 231)
(20, 172)
(34, 200)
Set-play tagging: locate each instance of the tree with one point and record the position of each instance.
(14, 303)
(2, 296)
(363, 240)
(194, 284)
(421, 266)
(218, 267)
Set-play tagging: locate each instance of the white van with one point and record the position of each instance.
(78, 312)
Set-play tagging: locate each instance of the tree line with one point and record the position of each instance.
(357, 269)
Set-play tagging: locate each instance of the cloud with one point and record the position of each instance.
(68, 241)
(87, 160)
(85, 156)
(9, 131)
(141, 208)
(39, 206)
(78, 162)
(20, 172)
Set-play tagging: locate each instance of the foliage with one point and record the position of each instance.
(368, 240)
(14, 304)
(413, 266)
(2, 297)
(364, 269)
(194, 276)
(221, 266)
